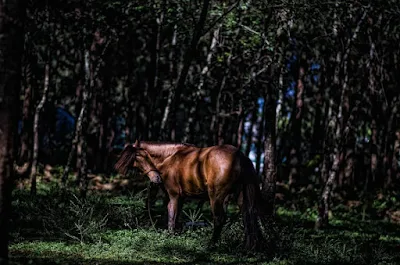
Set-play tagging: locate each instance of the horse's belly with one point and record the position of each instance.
(194, 192)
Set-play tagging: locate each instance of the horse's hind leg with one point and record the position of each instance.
(200, 205)
(219, 216)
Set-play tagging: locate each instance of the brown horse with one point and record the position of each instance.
(186, 170)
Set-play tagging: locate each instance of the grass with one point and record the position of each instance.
(110, 228)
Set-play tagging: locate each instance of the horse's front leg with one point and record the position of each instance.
(173, 206)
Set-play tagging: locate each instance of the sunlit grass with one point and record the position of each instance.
(40, 226)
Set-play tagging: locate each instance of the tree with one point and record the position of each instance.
(175, 92)
(12, 14)
(342, 126)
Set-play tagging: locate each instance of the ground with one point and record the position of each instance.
(114, 228)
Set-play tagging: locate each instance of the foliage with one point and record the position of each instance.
(332, 68)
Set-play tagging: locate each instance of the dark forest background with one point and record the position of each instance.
(309, 90)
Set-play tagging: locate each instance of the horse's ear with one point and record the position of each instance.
(137, 143)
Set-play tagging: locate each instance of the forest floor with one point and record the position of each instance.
(114, 228)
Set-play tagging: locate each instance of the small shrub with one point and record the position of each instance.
(78, 219)
(86, 225)
(127, 211)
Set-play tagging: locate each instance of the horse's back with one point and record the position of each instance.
(222, 165)
(201, 169)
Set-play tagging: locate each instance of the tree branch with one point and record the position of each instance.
(215, 22)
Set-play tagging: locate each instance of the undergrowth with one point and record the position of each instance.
(105, 228)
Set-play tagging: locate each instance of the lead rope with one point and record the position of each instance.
(149, 204)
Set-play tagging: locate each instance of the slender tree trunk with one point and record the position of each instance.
(12, 16)
(253, 122)
(104, 111)
(240, 126)
(26, 135)
(187, 60)
(173, 75)
(154, 77)
(78, 127)
(216, 126)
(330, 128)
(394, 167)
(270, 124)
(72, 152)
(260, 137)
(82, 125)
(294, 155)
(269, 182)
(371, 178)
(200, 87)
(342, 128)
(39, 108)
(220, 134)
(376, 110)
(318, 125)
(36, 123)
(390, 138)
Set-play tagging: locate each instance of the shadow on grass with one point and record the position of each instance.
(51, 258)
(76, 261)
(301, 244)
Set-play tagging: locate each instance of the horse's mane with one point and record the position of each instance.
(164, 149)
(167, 143)
(126, 159)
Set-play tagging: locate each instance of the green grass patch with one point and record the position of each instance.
(56, 228)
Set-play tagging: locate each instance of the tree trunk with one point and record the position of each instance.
(215, 126)
(260, 137)
(187, 60)
(200, 87)
(36, 123)
(269, 182)
(295, 158)
(89, 84)
(12, 15)
(253, 122)
(318, 125)
(240, 126)
(79, 124)
(25, 152)
(342, 128)
(173, 75)
(376, 110)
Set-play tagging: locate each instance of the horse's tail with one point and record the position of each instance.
(125, 160)
(252, 208)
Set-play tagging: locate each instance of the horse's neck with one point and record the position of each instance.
(160, 152)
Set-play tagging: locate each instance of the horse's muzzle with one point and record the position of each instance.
(154, 177)
(158, 179)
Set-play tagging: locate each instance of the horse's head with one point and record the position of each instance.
(136, 157)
